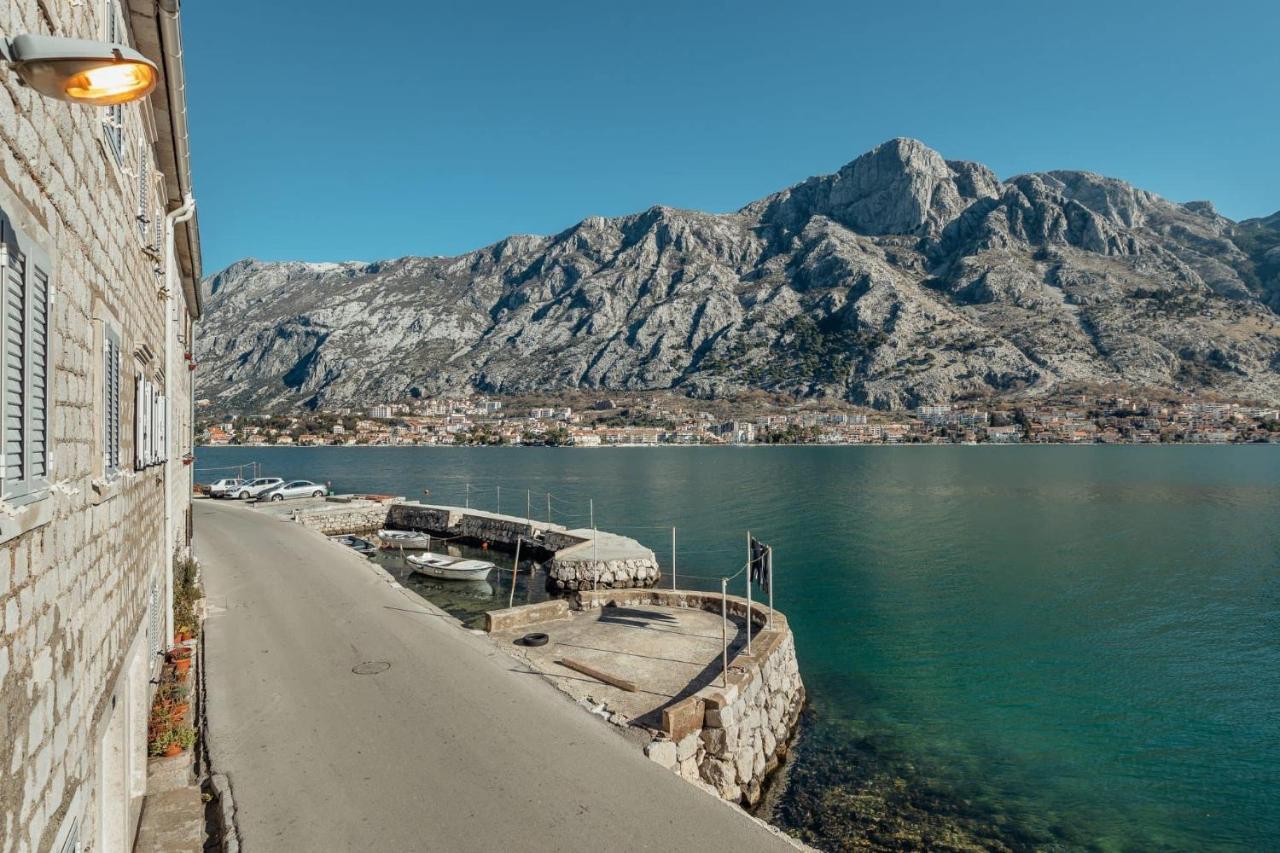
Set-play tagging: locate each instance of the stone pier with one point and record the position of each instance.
(576, 558)
(726, 733)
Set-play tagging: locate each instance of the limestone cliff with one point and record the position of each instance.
(903, 278)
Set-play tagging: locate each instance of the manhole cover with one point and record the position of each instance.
(371, 667)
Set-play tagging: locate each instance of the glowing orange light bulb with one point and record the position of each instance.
(116, 83)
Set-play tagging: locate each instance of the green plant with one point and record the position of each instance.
(160, 740)
(184, 736)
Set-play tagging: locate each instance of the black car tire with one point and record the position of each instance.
(244, 496)
(317, 494)
(536, 639)
(277, 497)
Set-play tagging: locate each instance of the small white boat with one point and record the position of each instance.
(450, 568)
(410, 540)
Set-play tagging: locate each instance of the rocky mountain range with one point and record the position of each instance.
(901, 279)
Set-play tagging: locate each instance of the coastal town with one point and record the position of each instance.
(663, 419)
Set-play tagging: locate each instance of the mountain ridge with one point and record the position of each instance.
(902, 278)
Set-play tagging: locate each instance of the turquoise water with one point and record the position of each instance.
(1018, 648)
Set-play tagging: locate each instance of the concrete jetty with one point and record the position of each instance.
(576, 558)
(727, 730)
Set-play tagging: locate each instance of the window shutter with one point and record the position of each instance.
(113, 116)
(111, 400)
(162, 429)
(39, 361)
(144, 194)
(14, 367)
(139, 423)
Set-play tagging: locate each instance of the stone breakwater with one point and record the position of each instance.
(576, 559)
(729, 737)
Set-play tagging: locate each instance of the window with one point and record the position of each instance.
(150, 424)
(111, 402)
(113, 117)
(24, 367)
(144, 195)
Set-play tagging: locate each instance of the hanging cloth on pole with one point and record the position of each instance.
(761, 562)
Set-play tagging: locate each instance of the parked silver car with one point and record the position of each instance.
(225, 486)
(294, 489)
(254, 488)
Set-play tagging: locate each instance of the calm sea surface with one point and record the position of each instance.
(1052, 648)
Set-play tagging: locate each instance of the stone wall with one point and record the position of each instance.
(584, 574)
(729, 737)
(84, 571)
(344, 517)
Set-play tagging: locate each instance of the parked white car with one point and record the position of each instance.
(253, 488)
(294, 489)
(224, 487)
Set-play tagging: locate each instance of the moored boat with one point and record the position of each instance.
(355, 543)
(409, 540)
(450, 568)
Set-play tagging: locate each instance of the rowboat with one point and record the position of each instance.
(449, 568)
(409, 540)
(355, 543)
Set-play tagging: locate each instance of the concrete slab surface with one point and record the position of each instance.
(172, 822)
(669, 653)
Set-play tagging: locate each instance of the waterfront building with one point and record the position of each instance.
(101, 267)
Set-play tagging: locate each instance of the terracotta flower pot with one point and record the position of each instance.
(171, 750)
(182, 665)
(179, 653)
(182, 636)
(178, 712)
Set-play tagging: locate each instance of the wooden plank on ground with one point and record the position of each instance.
(599, 675)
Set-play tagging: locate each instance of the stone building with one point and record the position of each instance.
(100, 261)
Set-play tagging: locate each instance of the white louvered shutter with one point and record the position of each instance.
(111, 403)
(38, 358)
(14, 386)
(139, 423)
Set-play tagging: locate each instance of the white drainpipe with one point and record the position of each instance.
(171, 220)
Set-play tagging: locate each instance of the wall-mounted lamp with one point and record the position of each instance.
(79, 70)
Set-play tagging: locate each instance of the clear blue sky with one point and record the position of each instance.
(326, 130)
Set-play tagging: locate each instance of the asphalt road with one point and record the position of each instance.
(453, 747)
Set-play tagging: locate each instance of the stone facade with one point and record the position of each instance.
(86, 555)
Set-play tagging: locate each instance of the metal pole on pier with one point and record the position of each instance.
(548, 509)
(724, 632)
(468, 499)
(749, 567)
(673, 557)
(499, 500)
(528, 508)
(515, 570)
(768, 555)
(595, 557)
(591, 512)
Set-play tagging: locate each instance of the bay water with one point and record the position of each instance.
(1024, 648)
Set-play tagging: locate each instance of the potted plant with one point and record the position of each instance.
(183, 738)
(180, 657)
(160, 740)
